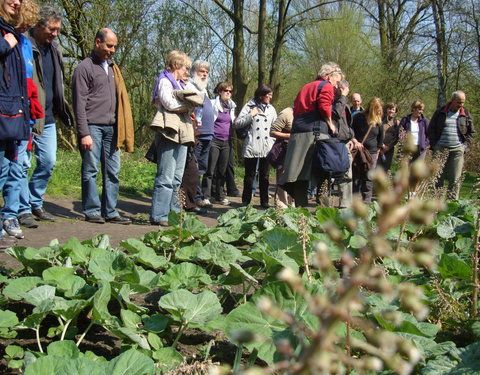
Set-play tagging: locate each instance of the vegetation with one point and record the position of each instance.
(398, 50)
(390, 287)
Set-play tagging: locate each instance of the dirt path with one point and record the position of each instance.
(70, 223)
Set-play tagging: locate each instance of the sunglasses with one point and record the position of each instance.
(230, 91)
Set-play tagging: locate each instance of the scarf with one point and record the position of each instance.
(168, 75)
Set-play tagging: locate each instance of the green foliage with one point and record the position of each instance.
(197, 270)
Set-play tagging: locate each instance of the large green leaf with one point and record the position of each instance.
(452, 267)
(78, 252)
(34, 259)
(168, 359)
(40, 294)
(274, 260)
(236, 275)
(66, 349)
(114, 266)
(408, 324)
(184, 276)
(280, 239)
(187, 307)
(465, 362)
(17, 287)
(447, 228)
(131, 362)
(100, 301)
(267, 329)
(8, 319)
(52, 365)
(155, 323)
(247, 317)
(289, 301)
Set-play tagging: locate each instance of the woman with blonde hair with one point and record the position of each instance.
(416, 124)
(174, 132)
(368, 129)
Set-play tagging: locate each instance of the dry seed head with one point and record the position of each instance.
(380, 246)
(219, 370)
(380, 179)
(424, 246)
(242, 336)
(409, 349)
(393, 316)
(351, 224)
(254, 371)
(333, 232)
(387, 199)
(372, 364)
(409, 146)
(322, 259)
(359, 208)
(265, 305)
(284, 347)
(384, 286)
(425, 259)
(396, 217)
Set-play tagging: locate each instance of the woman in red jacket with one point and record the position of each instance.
(312, 111)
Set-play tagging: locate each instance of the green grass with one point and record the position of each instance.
(137, 175)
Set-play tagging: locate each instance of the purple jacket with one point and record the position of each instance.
(422, 130)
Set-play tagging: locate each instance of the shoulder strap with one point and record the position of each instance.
(320, 87)
(367, 133)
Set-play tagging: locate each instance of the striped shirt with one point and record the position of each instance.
(449, 138)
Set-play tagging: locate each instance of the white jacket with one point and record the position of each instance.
(258, 142)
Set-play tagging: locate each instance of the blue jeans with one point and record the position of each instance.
(3, 145)
(171, 158)
(12, 179)
(106, 152)
(46, 155)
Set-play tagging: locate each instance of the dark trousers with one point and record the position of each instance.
(202, 149)
(230, 175)
(263, 179)
(189, 182)
(217, 164)
(232, 189)
(363, 184)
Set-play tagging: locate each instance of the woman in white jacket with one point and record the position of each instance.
(257, 115)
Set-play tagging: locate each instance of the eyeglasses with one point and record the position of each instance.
(230, 91)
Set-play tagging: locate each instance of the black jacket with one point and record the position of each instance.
(14, 106)
(61, 109)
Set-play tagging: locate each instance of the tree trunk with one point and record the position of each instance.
(277, 49)
(441, 56)
(261, 41)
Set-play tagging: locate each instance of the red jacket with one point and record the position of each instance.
(308, 101)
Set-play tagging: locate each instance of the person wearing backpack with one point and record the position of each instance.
(312, 109)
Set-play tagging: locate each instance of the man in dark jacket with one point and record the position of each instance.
(48, 76)
(451, 128)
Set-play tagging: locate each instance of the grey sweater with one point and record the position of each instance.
(94, 95)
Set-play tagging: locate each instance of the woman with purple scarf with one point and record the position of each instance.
(171, 148)
(224, 115)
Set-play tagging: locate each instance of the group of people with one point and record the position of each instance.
(32, 99)
(192, 147)
(286, 142)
